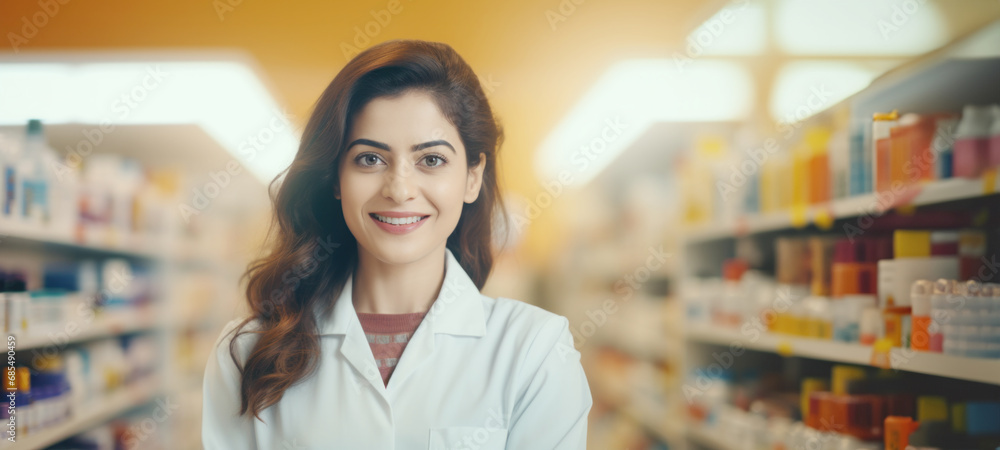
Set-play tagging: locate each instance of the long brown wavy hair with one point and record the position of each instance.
(299, 274)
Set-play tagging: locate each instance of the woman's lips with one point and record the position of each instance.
(398, 229)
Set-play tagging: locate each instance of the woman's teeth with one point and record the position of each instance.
(397, 220)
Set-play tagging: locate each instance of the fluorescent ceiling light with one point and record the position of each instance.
(804, 88)
(226, 98)
(630, 97)
(739, 28)
(859, 27)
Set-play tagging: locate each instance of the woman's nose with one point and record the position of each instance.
(399, 183)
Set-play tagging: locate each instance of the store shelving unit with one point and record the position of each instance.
(650, 417)
(100, 329)
(121, 401)
(941, 191)
(173, 259)
(956, 367)
(937, 82)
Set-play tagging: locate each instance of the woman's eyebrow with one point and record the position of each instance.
(386, 147)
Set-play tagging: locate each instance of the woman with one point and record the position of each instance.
(383, 241)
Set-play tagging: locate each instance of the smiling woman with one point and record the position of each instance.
(389, 343)
(432, 179)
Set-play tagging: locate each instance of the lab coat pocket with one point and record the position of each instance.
(467, 438)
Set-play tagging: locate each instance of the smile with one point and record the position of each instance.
(398, 225)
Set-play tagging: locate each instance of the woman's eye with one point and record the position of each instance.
(434, 160)
(368, 159)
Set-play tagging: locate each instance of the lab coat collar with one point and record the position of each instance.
(457, 310)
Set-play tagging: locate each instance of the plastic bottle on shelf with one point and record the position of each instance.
(871, 326)
(839, 152)
(12, 154)
(127, 183)
(943, 146)
(882, 124)
(8, 181)
(65, 200)
(982, 332)
(860, 157)
(897, 432)
(51, 391)
(3, 302)
(36, 175)
(848, 312)
(734, 296)
(970, 330)
(920, 296)
(23, 402)
(902, 150)
(972, 138)
(941, 312)
(16, 300)
(994, 142)
(991, 294)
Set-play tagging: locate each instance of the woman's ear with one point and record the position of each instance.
(336, 192)
(475, 179)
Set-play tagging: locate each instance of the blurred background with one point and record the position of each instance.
(772, 224)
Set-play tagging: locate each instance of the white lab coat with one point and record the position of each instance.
(478, 373)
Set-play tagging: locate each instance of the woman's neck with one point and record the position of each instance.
(383, 288)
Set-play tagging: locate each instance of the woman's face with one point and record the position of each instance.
(405, 164)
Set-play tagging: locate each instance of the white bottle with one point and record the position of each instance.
(10, 183)
(65, 192)
(36, 176)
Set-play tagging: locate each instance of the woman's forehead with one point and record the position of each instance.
(406, 120)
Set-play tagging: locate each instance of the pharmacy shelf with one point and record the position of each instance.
(34, 235)
(117, 403)
(656, 350)
(136, 248)
(100, 329)
(705, 437)
(940, 191)
(667, 431)
(956, 367)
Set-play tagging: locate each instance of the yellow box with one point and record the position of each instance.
(911, 244)
(932, 407)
